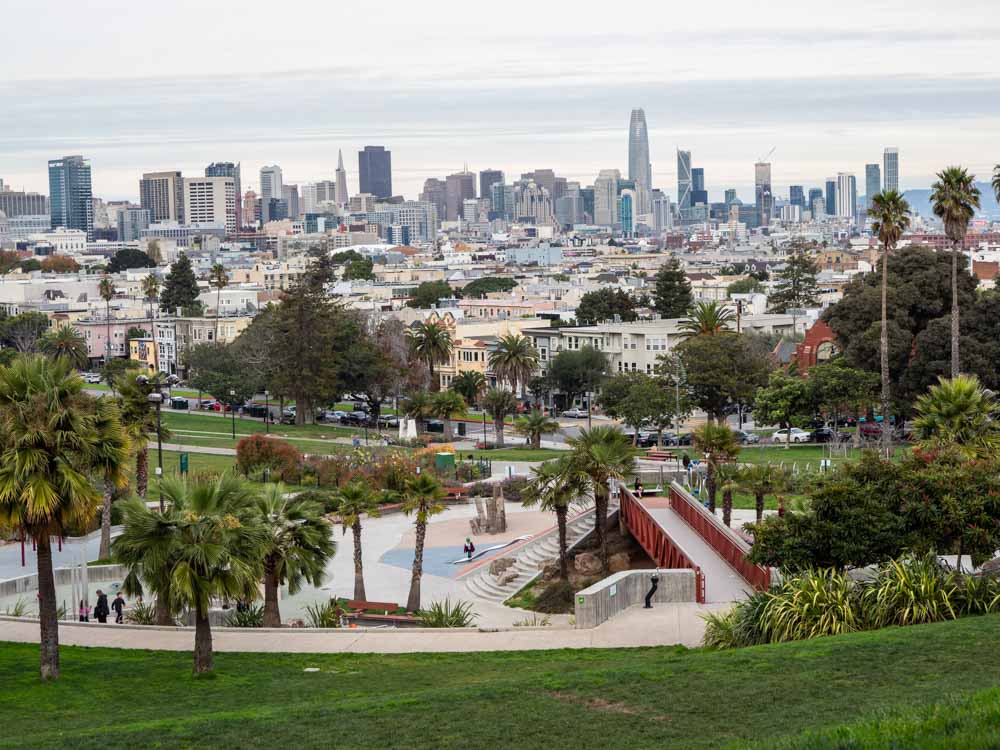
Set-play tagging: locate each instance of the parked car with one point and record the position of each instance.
(91, 377)
(356, 418)
(794, 435)
(574, 413)
(827, 435)
(179, 403)
(255, 410)
(645, 440)
(210, 404)
(434, 425)
(388, 420)
(684, 439)
(747, 438)
(330, 415)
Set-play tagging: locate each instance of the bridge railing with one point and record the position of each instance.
(719, 537)
(663, 550)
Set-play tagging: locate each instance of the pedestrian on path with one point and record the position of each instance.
(118, 605)
(84, 611)
(638, 488)
(469, 548)
(101, 611)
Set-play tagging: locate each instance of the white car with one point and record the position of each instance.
(91, 377)
(794, 435)
(574, 413)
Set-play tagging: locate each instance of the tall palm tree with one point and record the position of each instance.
(48, 442)
(719, 444)
(514, 360)
(761, 480)
(959, 412)
(419, 407)
(728, 476)
(707, 319)
(357, 499)
(151, 291)
(598, 455)
(499, 404)
(209, 543)
(955, 198)
(111, 457)
(555, 486)
(422, 497)
(299, 546)
(139, 418)
(431, 342)
(107, 291)
(217, 278)
(470, 384)
(533, 425)
(891, 213)
(446, 405)
(67, 343)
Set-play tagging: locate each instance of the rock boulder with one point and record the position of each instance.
(587, 564)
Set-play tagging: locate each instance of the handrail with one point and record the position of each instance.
(719, 537)
(653, 538)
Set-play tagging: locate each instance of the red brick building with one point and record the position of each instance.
(818, 346)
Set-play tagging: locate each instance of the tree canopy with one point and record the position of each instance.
(796, 285)
(672, 291)
(180, 288)
(130, 257)
(723, 371)
(488, 285)
(429, 294)
(577, 371)
(605, 304)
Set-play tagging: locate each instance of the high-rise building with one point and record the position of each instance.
(814, 193)
(270, 189)
(640, 170)
(890, 160)
(162, 194)
(662, 216)
(796, 196)
(375, 171)
(70, 194)
(831, 196)
(568, 208)
(487, 178)
(683, 180)
(847, 195)
(211, 200)
(341, 195)
(626, 211)
(290, 195)
(229, 169)
(251, 209)
(606, 197)
(698, 192)
(533, 203)
(730, 196)
(459, 187)
(763, 197)
(15, 203)
(502, 198)
(434, 192)
(873, 182)
(130, 221)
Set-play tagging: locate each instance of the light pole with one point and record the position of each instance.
(267, 411)
(155, 396)
(232, 409)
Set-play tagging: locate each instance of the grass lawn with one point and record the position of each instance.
(626, 698)
(194, 422)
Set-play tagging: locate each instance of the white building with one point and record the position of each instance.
(210, 200)
(847, 195)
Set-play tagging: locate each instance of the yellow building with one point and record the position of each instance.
(143, 352)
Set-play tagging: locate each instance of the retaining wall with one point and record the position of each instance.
(619, 591)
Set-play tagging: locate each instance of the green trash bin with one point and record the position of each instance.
(444, 461)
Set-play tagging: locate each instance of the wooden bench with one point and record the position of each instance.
(658, 454)
(361, 604)
(365, 611)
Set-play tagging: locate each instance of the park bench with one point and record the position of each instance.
(659, 454)
(368, 612)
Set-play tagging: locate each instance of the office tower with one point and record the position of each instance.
(663, 218)
(162, 194)
(229, 169)
(487, 178)
(130, 221)
(568, 207)
(375, 171)
(458, 187)
(730, 196)
(831, 196)
(683, 180)
(533, 203)
(796, 196)
(270, 189)
(70, 195)
(502, 198)
(640, 170)
(19, 203)
(814, 193)
(818, 205)
(341, 195)
(546, 178)
(890, 159)
(873, 182)
(290, 195)
(251, 209)
(762, 193)
(324, 191)
(606, 197)
(626, 211)
(698, 192)
(434, 192)
(361, 203)
(211, 200)
(847, 195)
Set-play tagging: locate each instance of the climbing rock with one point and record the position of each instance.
(550, 569)
(498, 566)
(587, 564)
(618, 562)
(507, 577)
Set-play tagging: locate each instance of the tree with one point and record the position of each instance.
(469, 384)
(65, 342)
(422, 498)
(748, 285)
(431, 342)
(134, 332)
(139, 417)
(218, 279)
(58, 263)
(446, 405)
(727, 476)
(708, 319)
(128, 258)
(107, 291)
(419, 407)
(605, 304)
(111, 456)
(719, 445)
(30, 265)
(297, 549)
(785, 401)
(9, 260)
(488, 285)
(959, 413)
(376, 366)
(955, 199)
(514, 360)
(578, 371)
(217, 370)
(429, 294)
(534, 425)
(719, 372)
(597, 456)
(554, 486)
(672, 291)
(25, 330)
(761, 480)
(49, 441)
(271, 455)
(180, 288)
(796, 285)
(355, 500)
(361, 269)
(209, 543)
(836, 389)
(499, 404)
(635, 398)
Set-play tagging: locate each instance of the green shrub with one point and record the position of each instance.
(325, 615)
(447, 615)
(976, 595)
(812, 604)
(910, 591)
(556, 599)
(739, 626)
(20, 608)
(141, 613)
(249, 617)
(327, 499)
(513, 488)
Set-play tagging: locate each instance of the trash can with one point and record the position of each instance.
(461, 429)
(444, 461)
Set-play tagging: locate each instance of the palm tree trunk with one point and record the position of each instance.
(359, 574)
(710, 486)
(536, 441)
(47, 617)
(884, 354)
(727, 507)
(202, 642)
(156, 351)
(561, 513)
(272, 613)
(449, 432)
(498, 428)
(218, 302)
(434, 384)
(104, 553)
(601, 522)
(142, 472)
(955, 366)
(759, 501)
(413, 600)
(163, 614)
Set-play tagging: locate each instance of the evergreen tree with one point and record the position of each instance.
(672, 291)
(796, 286)
(604, 304)
(180, 289)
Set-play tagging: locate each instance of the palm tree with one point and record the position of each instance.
(357, 499)
(761, 480)
(217, 277)
(470, 384)
(499, 404)
(959, 412)
(68, 343)
(533, 425)
(209, 543)
(446, 405)
(955, 198)
(728, 476)
(111, 456)
(707, 319)
(151, 291)
(423, 496)
(298, 547)
(49, 441)
(554, 486)
(418, 407)
(432, 343)
(891, 213)
(598, 455)
(514, 360)
(139, 418)
(996, 181)
(107, 291)
(719, 444)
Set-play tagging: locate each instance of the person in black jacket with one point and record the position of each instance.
(118, 605)
(101, 611)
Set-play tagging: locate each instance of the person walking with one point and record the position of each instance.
(469, 548)
(101, 611)
(84, 611)
(118, 605)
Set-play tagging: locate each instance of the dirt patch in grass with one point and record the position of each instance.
(602, 704)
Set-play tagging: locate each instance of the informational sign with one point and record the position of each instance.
(612, 590)
(184, 463)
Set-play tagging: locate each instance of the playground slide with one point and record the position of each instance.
(486, 550)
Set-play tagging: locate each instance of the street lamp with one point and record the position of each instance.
(232, 408)
(267, 411)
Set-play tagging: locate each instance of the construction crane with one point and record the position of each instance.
(767, 156)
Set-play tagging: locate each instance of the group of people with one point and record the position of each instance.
(101, 611)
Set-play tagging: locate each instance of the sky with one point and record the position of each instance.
(517, 86)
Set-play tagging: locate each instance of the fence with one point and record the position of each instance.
(619, 591)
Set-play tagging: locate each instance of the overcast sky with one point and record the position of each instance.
(514, 86)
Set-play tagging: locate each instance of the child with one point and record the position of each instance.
(84, 611)
(469, 548)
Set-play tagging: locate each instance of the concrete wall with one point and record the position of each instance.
(619, 591)
(29, 583)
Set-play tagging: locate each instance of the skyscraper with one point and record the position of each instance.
(341, 196)
(814, 195)
(375, 171)
(606, 197)
(229, 169)
(831, 196)
(458, 188)
(434, 192)
(683, 180)
(487, 178)
(730, 196)
(762, 192)
(698, 192)
(847, 195)
(796, 196)
(15, 203)
(890, 159)
(270, 189)
(162, 194)
(70, 194)
(290, 195)
(640, 170)
(873, 182)
(211, 200)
